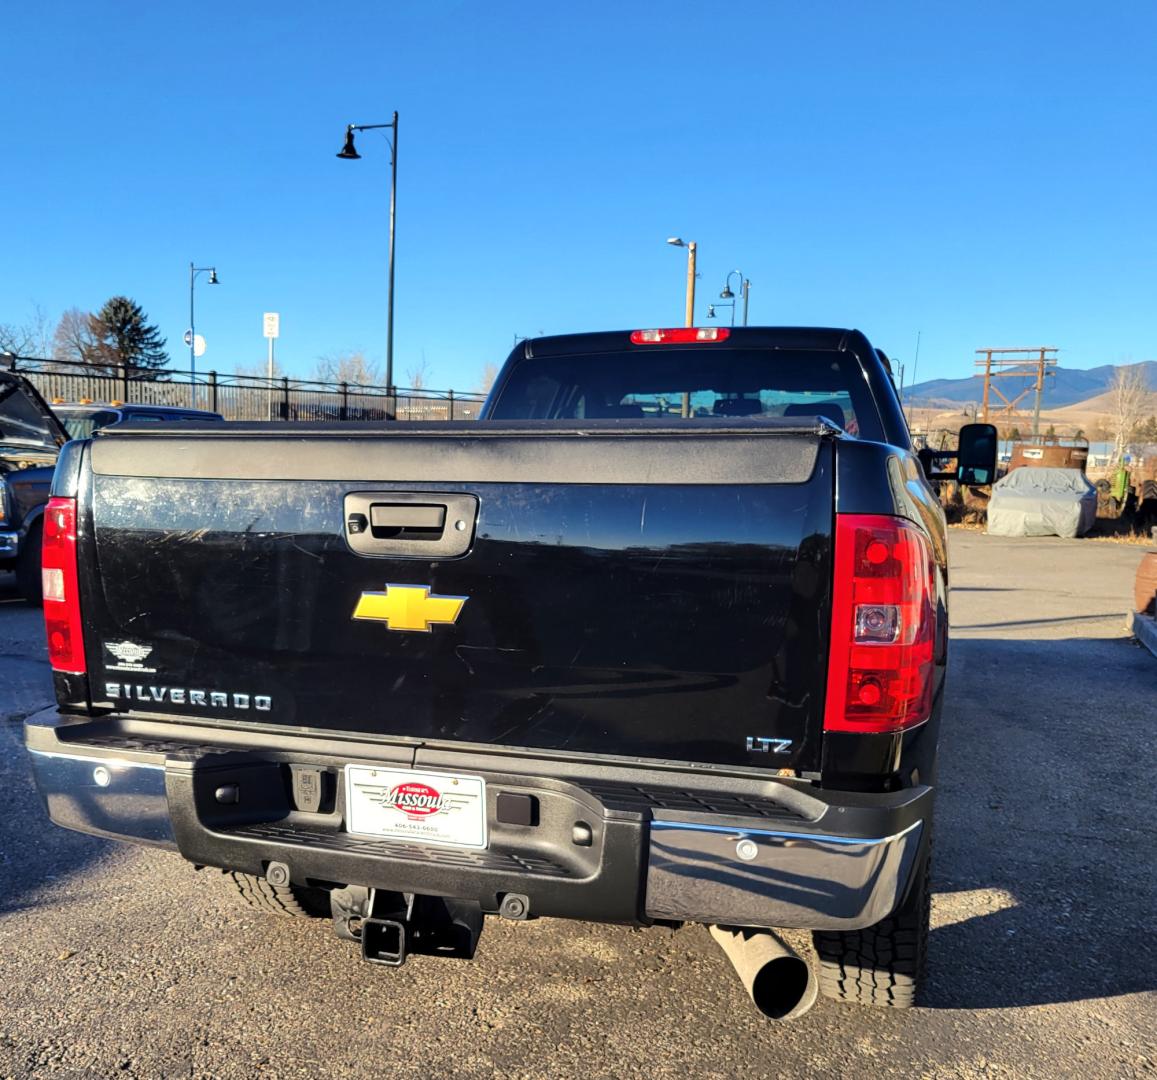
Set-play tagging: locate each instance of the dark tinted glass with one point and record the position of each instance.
(81, 424)
(700, 382)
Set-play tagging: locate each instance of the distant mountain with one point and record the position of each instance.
(1068, 387)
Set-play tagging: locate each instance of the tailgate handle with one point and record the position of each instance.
(430, 525)
(385, 517)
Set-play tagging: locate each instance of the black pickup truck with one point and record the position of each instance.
(661, 639)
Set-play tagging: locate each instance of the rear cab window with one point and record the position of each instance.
(706, 381)
(80, 424)
(159, 417)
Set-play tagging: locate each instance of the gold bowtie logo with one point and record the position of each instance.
(409, 607)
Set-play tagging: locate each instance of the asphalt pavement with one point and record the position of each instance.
(117, 960)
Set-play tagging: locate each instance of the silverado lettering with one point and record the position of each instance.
(214, 699)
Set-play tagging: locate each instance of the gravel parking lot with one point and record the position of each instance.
(1042, 964)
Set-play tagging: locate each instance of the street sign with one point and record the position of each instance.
(198, 346)
(272, 324)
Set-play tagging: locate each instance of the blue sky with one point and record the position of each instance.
(985, 173)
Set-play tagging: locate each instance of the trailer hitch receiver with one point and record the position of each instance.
(384, 941)
(391, 926)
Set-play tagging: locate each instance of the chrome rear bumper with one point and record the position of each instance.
(105, 796)
(744, 876)
(758, 854)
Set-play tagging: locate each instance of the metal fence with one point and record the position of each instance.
(243, 397)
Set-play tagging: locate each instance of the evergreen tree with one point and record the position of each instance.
(123, 337)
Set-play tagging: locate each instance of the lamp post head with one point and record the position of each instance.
(711, 311)
(349, 151)
(213, 279)
(727, 294)
(675, 241)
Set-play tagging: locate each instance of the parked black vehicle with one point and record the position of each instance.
(660, 639)
(30, 439)
(83, 418)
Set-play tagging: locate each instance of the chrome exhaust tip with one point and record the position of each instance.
(778, 980)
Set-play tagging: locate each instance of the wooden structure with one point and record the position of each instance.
(1035, 363)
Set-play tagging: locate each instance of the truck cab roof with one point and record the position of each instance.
(83, 418)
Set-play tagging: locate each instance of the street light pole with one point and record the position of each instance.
(349, 153)
(689, 317)
(689, 313)
(692, 252)
(744, 289)
(192, 333)
(193, 272)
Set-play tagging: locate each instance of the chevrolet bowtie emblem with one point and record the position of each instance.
(409, 607)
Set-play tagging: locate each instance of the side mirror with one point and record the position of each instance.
(976, 454)
(975, 457)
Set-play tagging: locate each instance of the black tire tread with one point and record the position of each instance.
(881, 965)
(292, 901)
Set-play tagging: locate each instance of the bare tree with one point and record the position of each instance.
(31, 339)
(486, 380)
(348, 367)
(74, 340)
(259, 369)
(1128, 403)
(418, 376)
(14, 339)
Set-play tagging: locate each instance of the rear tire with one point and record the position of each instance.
(881, 965)
(28, 582)
(1147, 507)
(294, 901)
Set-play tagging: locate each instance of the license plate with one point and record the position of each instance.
(425, 807)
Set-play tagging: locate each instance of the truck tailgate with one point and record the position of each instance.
(659, 593)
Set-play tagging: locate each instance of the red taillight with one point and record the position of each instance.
(881, 665)
(61, 598)
(680, 335)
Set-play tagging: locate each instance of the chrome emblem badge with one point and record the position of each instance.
(129, 652)
(761, 744)
(128, 656)
(409, 607)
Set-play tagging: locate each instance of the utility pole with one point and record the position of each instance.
(689, 313)
(689, 317)
(1040, 385)
(987, 380)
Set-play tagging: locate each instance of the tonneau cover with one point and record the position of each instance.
(604, 451)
